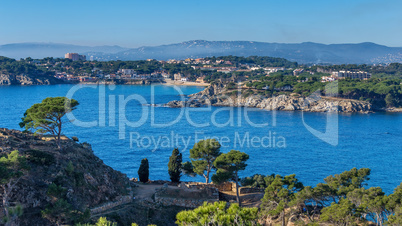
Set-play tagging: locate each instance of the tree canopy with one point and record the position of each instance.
(143, 171)
(228, 166)
(175, 165)
(46, 117)
(202, 156)
(218, 214)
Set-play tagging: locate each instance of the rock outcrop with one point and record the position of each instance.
(74, 175)
(7, 79)
(215, 95)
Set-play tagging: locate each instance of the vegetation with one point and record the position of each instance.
(174, 165)
(258, 181)
(40, 157)
(279, 196)
(11, 66)
(143, 171)
(12, 168)
(203, 155)
(103, 221)
(342, 199)
(228, 166)
(188, 169)
(380, 91)
(46, 117)
(218, 214)
(262, 61)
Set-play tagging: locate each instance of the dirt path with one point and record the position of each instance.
(145, 191)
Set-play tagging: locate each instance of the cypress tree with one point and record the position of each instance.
(143, 171)
(174, 165)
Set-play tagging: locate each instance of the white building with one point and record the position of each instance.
(352, 74)
(127, 71)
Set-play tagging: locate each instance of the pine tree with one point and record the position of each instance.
(202, 156)
(174, 165)
(143, 171)
(46, 117)
(228, 166)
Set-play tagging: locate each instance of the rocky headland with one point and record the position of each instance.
(60, 186)
(72, 185)
(23, 79)
(218, 95)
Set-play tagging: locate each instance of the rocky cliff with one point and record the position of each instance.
(7, 79)
(60, 186)
(217, 95)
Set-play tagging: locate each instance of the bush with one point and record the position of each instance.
(39, 157)
(217, 213)
(174, 165)
(143, 171)
(56, 190)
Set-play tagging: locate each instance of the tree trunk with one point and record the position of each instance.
(58, 135)
(237, 190)
(58, 141)
(207, 177)
(208, 171)
(283, 217)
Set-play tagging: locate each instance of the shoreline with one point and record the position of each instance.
(159, 83)
(212, 95)
(166, 83)
(180, 83)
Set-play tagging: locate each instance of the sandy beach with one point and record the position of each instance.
(181, 83)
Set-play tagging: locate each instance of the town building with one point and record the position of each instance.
(75, 56)
(298, 71)
(177, 76)
(200, 79)
(328, 78)
(352, 74)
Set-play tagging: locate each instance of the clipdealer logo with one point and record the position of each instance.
(107, 105)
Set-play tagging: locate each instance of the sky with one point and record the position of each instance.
(149, 23)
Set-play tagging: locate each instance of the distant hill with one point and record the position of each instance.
(42, 50)
(306, 52)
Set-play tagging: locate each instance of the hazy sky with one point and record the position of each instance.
(151, 22)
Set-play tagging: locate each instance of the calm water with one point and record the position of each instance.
(365, 140)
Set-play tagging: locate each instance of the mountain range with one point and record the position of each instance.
(304, 53)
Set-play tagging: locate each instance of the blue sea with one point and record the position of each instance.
(125, 124)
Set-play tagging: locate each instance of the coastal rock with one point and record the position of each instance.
(175, 104)
(85, 181)
(215, 95)
(22, 79)
(180, 104)
(213, 89)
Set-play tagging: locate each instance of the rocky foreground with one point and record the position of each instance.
(217, 95)
(72, 185)
(63, 183)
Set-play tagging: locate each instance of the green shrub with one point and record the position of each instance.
(40, 157)
(143, 171)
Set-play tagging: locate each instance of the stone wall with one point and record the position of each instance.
(122, 200)
(226, 186)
